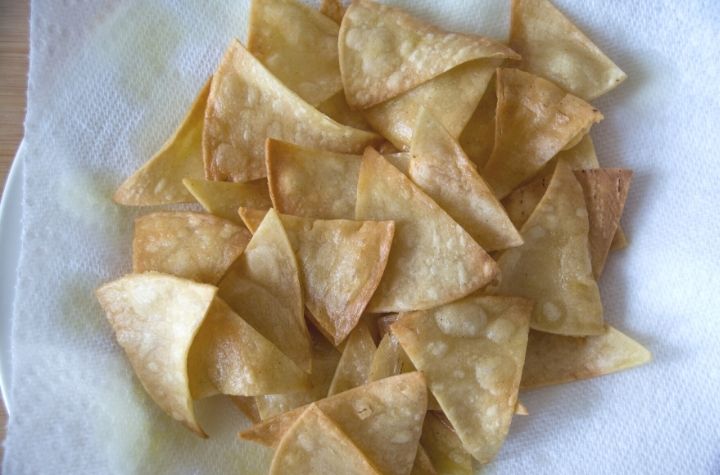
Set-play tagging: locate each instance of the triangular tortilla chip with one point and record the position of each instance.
(315, 445)
(223, 198)
(422, 464)
(193, 246)
(520, 409)
(337, 108)
(442, 170)
(333, 9)
(228, 356)
(159, 180)
(553, 267)
(384, 419)
(298, 44)
(412, 280)
(473, 346)
(155, 318)
(247, 104)
(385, 52)
(263, 285)
(248, 407)
(553, 47)
(534, 121)
(444, 447)
(555, 359)
(451, 98)
(605, 191)
(478, 137)
(252, 217)
(620, 240)
(354, 366)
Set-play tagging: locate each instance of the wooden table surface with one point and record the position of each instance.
(14, 21)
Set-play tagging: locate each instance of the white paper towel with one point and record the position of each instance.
(109, 81)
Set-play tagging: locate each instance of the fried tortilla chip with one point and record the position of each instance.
(620, 240)
(298, 45)
(442, 170)
(263, 285)
(478, 137)
(354, 366)
(520, 409)
(315, 445)
(228, 356)
(553, 47)
(155, 318)
(411, 280)
(333, 9)
(451, 98)
(385, 52)
(534, 121)
(555, 359)
(337, 108)
(444, 447)
(193, 246)
(247, 104)
(473, 346)
(248, 407)
(553, 267)
(422, 464)
(223, 198)
(383, 418)
(605, 191)
(159, 180)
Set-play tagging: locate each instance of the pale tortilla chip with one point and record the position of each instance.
(478, 137)
(384, 322)
(422, 464)
(247, 104)
(411, 280)
(442, 170)
(473, 346)
(337, 108)
(444, 447)
(333, 9)
(383, 418)
(155, 318)
(248, 407)
(520, 409)
(605, 191)
(223, 198)
(252, 217)
(451, 98)
(385, 52)
(534, 121)
(354, 366)
(193, 246)
(298, 45)
(579, 157)
(553, 47)
(553, 267)
(556, 359)
(315, 445)
(263, 285)
(228, 356)
(159, 180)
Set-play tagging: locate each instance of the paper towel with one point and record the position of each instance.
(109, 80)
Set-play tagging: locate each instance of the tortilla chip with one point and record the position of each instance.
(337, 108)
(193, 246)
(605, 191)
(155, 318)
(451, 98)
(247, 104)
(298, 45)
(248, 407)
(444, 447)
(263, 285)
(553, 267)
(620, 240)
(579, 157)
(385, 52)
(534, 121)
(473, 346)
(383, 323)
(354, 366)
(333, 9)
(411, 280)
(442, 170)
(520, 409)
(228, 356)
(422, 464)
(553, 47)
(159, 180)
(478, 137)
(384, 419)
(223, 198)
(556, 359)
(252, 218)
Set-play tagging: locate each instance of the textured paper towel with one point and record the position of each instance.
(109, 81)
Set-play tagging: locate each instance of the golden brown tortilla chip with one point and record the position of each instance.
(354, 366)
(385, 52)
(520, 409)
(337, 108)
(155, 318)
(474, 346)
(442, 170)
(553, 47)
(248, 407)
(223, 198)
(620, 240)
(534, 121)
(422, 464)
(159, 180)
(556, 359)
(247, 104)
(411, 280)
(333, 9)
(193, 246)
(444, 447)
(478, 137)
(553, 267)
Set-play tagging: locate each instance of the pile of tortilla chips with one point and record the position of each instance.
(403, 228)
